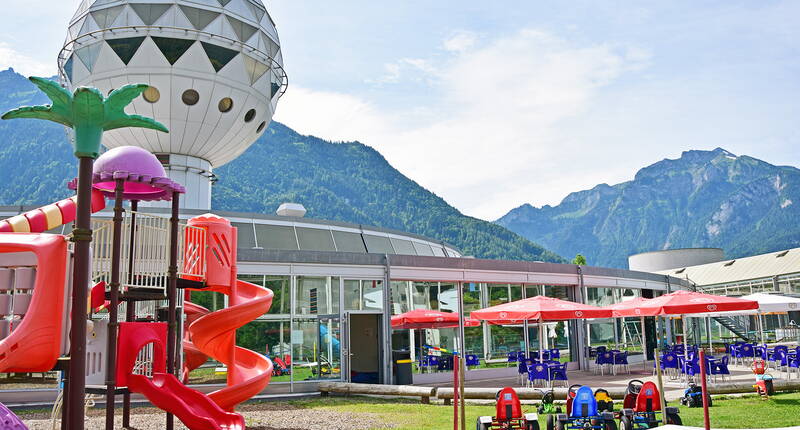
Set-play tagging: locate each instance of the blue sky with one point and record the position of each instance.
(494, 104)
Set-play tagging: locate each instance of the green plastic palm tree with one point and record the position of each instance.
(87, 112)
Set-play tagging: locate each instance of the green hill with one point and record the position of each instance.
(338, 181)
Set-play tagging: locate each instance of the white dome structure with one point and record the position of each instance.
(215, 70)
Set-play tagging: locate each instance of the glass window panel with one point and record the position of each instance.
(363, 295)
(422, 248)
(438, 252)
(149, 13)
(316, 348)
(403, 247)
(276, 236)
(198, 17)
(267, 337)
(472, 296)
(246, 238)
(448, 297)
(125, 47)
(505, 339)
(317, 295)
(420, 296)
(173, 49)
(314, 239)
(498, 293)
(516, 292)
(210, 300)
(280, 286)
(348, 242)
(474, 340)
(399, 299)
(218, 55)
(378, 244)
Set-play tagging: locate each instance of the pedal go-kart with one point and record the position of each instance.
(582, 412)
(548, 403)
(508, 414)
(604, 401)
(641, 408)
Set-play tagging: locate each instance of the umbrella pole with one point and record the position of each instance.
(708, 332)
(685, 348)
(527, 339)
(657, 355)
(761, 328)
(644, 344)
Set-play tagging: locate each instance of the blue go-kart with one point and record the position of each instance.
(582, 412)
(642, 408)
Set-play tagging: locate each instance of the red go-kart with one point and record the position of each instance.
(508, 414)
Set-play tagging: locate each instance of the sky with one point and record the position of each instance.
(494, 104)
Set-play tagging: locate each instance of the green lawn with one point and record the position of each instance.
(781, 410)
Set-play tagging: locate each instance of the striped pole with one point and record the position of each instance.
(50, 216)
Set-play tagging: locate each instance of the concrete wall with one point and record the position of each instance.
(674, 259)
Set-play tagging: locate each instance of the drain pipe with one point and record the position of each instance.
(386, 323)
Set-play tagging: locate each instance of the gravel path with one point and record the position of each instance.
(261, 416)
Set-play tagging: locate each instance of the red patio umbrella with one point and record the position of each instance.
(680, 303)
(539, 308)
(423, 318)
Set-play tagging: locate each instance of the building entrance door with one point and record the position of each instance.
(362, 353)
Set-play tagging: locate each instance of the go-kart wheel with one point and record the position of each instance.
(560, 425)
(674, 419)
(610, 425)
(532, 425)
(551, 422)
(634, 386)
(481, 426)
(626, 423)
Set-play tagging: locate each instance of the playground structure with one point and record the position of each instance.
(139, 261)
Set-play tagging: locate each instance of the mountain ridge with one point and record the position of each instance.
(703, 198)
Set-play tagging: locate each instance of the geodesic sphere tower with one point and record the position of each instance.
(215, 70)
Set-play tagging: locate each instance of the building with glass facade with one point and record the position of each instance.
(337, 285)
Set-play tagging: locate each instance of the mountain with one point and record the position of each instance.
(345, 181)
(702, 199)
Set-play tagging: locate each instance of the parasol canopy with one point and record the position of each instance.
(424, 318)
(539, 308)
(681, 303)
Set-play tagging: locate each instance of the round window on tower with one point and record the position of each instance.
(250, 115)
(225, 105)
(190, 97)
(151, 94)
(261, 127)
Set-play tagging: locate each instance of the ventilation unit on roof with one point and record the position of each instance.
(782, 254)
(730, 263)
(678, 272)
(291, 209)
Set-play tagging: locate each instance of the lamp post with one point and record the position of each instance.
(89, 114)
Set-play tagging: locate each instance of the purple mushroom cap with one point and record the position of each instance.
(144, 176)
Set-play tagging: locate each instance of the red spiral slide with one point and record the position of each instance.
(212, 334)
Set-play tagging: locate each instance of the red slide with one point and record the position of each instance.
(214, 334)
(192, 357)
(196, 410)
(35, 344)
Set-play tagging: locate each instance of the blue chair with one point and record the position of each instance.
(604, 359)
(793, 362)
(538, 374)
(555, 354)
(621, 359)
(511, 357)
(472, 360)
(721, 368)
(558, 372)
(432, 362)
(522, 370)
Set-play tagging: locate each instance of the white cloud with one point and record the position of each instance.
(24, 64)
(460, 41)
(490, 140)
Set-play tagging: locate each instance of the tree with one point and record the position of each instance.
(579, 259)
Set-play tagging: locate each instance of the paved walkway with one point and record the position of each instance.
(673, 388)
